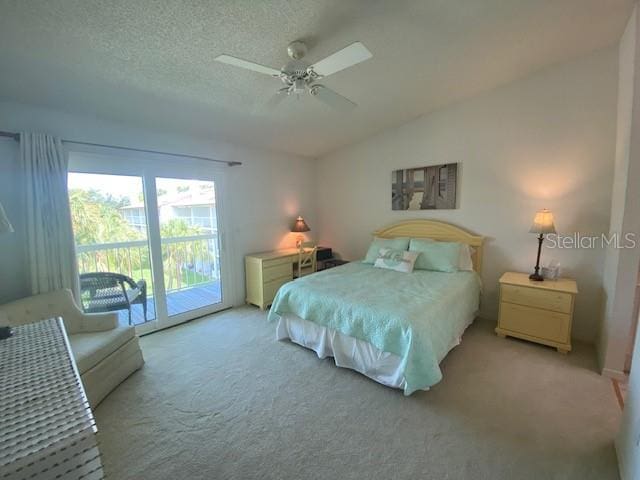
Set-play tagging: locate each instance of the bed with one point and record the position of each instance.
(393, 327)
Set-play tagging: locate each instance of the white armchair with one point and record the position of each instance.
(105, 353)
(56, 304)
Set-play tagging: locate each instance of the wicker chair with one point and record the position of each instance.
(107, 291)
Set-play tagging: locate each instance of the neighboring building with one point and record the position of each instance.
(195, 206)
(135, 216)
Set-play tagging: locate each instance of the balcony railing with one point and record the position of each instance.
(187, 261)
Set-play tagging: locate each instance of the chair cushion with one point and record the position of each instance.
(89, 349)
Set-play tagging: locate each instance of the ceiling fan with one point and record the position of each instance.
(300, 77)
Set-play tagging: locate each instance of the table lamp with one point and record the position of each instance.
(542, 223)
(5, 225)
(298, 227)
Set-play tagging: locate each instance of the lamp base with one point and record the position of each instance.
(535, 276)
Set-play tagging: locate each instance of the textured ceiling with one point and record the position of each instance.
(150, 62)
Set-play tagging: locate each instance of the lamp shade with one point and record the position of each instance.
(300, 225)
(543, 222)
(5, 225)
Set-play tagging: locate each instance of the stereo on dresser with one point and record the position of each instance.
(324, 253)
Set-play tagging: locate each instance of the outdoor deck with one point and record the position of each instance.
(178, 302)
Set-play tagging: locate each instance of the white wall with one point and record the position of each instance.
(263, 196)
(545, 141)
(622, 265)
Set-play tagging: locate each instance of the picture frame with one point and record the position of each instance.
(433, 187)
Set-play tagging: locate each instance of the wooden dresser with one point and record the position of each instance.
(541, 312)
(266, 272)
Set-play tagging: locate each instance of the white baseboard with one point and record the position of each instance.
(622, 462)
(615, 374)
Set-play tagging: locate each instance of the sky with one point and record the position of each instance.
(116, 185)
(122, 185)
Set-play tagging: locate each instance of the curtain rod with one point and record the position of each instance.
(16, 137)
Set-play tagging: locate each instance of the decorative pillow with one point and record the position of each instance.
(378, 243)
(437, 256)
(465, 262)
(398, 260)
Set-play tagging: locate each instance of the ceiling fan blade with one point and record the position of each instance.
(347, 57)
(239, 62)
(276, 99)
(331, 98)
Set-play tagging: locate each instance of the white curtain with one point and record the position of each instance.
(50, 244)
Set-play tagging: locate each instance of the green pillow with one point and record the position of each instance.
(437, 256)
(378, 243)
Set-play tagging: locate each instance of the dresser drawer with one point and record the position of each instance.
(542, 324)
(547, 299)
(273, 262)
(274, 272)
(271, 288)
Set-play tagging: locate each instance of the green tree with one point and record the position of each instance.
(177, 255)
(97, 196)
(96, 219)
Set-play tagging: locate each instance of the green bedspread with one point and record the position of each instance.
(417, 316)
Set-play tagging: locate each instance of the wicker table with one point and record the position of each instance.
(47, 429)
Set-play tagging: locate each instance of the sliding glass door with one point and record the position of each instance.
(112, 245)
(148, 244)
(190, 247)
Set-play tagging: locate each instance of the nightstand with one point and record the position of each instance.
(540, 312)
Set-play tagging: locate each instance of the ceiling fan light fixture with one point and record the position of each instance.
(299, 86)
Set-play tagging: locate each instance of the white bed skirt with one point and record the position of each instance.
(349, 352)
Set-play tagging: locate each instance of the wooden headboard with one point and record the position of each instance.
(441, 231)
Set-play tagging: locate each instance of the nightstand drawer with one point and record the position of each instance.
(538, 298)
(534, 322)
(277, 271)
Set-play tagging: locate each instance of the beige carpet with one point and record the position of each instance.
(219, 398)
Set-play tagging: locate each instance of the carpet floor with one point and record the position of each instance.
(220, 398)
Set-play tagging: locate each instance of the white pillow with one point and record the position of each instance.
(465, 263)
(397, 260)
